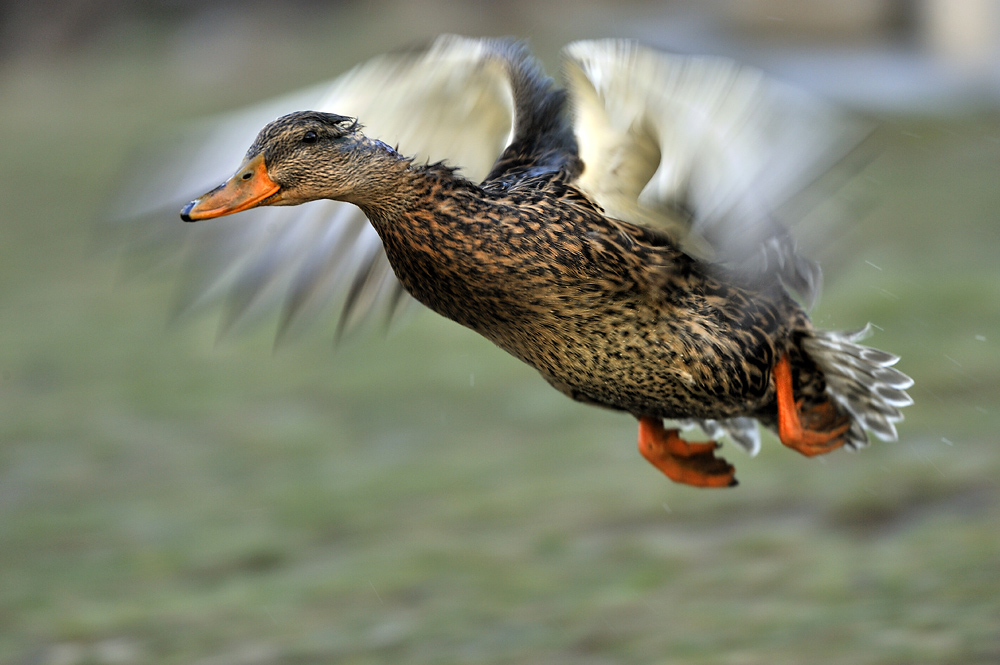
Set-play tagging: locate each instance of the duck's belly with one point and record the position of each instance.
(647, 363)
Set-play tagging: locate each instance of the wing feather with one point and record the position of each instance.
(700, 147)
(703, 148)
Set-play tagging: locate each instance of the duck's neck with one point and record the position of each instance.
(433, 225)
(404, 189)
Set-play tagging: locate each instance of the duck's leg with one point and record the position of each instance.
(825, 430)
(683, 461)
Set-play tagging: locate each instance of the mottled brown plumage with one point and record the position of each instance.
(609, 312)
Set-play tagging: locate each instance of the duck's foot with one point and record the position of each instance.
(682, 461)
(824, 430)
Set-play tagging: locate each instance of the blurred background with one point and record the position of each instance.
(419, 496)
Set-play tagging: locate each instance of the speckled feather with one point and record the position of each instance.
(608, 312)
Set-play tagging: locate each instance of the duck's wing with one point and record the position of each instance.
(703, 148)
(451, 102)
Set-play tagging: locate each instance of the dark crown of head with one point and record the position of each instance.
(296, 125)
(330, 123)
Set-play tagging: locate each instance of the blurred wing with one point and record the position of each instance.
(449, 102)
(703, 148)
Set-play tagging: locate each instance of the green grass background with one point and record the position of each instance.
(423, 498)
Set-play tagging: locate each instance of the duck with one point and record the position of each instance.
(618, 233)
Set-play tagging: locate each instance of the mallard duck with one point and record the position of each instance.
(618, 235)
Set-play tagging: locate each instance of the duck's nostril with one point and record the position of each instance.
(246, 176)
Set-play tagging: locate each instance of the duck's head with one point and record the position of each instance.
(297, 158)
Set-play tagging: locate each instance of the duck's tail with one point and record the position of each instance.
(862, 381)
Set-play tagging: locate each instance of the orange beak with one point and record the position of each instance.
(249, 188)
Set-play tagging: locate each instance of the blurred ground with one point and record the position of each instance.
(423, 498)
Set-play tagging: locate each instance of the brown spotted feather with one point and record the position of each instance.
(609, 313)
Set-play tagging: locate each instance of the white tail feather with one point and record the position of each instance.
(862, 381)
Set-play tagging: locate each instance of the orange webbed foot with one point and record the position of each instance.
(682, 461)
(824, 430)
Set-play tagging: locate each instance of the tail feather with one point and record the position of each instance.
(862, 381)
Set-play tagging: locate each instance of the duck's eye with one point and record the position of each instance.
(310, 138)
